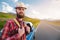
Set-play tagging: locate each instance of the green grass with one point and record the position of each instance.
(6, 16)
(2, 24)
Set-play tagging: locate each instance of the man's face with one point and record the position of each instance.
(20, 12)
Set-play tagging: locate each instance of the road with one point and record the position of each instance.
(46, 31)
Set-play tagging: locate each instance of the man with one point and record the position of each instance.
(13, 31)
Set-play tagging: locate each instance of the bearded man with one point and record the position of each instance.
(16, 29)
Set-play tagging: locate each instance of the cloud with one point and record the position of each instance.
(7, 8)
(15, 1)
(50, 9)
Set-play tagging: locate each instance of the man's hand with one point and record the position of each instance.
(21, 31)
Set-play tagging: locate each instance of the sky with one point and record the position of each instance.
(40, 9)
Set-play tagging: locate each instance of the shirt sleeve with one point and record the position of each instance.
(5, 30)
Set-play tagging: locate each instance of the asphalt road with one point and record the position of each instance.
(46, 31)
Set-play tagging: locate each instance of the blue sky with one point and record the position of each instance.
(12, 3)
(41, 9)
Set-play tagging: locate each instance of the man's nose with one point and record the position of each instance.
(21, 10)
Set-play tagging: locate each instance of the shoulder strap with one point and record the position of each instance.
(17, 23)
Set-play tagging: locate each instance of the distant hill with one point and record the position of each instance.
(55, 22)
(6, 16)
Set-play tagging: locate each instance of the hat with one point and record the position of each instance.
(20, 4)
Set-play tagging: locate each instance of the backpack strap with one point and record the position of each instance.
(17, 23)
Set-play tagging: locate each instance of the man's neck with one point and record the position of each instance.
(20, 19)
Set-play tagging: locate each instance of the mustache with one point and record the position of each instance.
(20, 12)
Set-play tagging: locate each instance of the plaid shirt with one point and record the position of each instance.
(10, 26)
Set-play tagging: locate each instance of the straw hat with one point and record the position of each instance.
(20, 4)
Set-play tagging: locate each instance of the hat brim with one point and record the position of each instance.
(20, 7)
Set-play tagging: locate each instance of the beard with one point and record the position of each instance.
(20, 15)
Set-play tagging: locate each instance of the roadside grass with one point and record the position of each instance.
(5, 16)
